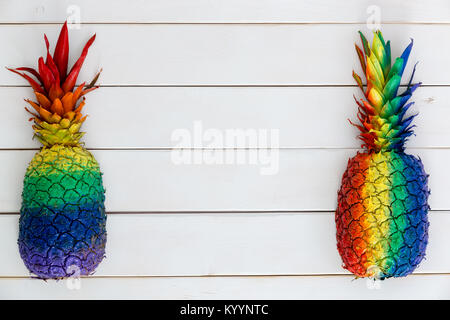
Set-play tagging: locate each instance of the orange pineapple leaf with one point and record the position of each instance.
(57, 107)
(44, 114)
(368, 107)
(32, 113)
(67, 102)
(77, 93)
(55, 92)
(33, 104)
(80, 107)
(77, 117)
(43, 100)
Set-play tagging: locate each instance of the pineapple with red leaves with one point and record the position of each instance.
(62, 225)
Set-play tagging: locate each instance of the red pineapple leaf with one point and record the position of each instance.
(46, 74)
(49, 61)
(61, 54)
(361, 117)
(368, 142)
(358, 103)
(32, 71)
(361, 114)
(357, 126)
(34, 84)
(69, 83)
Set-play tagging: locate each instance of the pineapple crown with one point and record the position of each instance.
(383, 125)
(58, 118)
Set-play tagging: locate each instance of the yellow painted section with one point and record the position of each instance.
(377, 202)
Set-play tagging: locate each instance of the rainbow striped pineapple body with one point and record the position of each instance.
(382, 218)
(63, 221)
(62, 226)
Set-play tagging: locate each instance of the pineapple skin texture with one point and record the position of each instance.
(62, 226)
(381, 219)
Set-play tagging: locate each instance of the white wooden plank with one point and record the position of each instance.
(226, 54)
(223, 11)
(223, 244)
(124, 117)
(255, 288)
(303, 180)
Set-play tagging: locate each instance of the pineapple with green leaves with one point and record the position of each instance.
(381, 219)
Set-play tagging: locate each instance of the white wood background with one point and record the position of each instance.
(224, 231)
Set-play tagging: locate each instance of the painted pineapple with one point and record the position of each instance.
(62, 219)
(381, 219)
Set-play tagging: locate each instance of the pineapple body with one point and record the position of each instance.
(381, 219)
(62, 228)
